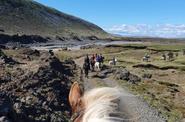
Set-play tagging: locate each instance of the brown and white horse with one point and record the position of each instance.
(97, 105)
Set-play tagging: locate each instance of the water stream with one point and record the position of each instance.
(76, 46)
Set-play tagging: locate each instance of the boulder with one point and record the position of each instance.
(122, 74)
(134, 79)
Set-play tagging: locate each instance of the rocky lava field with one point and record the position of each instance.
(34, 86)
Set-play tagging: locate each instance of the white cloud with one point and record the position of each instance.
(158, 30)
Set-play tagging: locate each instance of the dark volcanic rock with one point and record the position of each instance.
(123, 74)
(39, 92)
(24, 39)
(134, 79)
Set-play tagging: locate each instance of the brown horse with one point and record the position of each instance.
(97, 105)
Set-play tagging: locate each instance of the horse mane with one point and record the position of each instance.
(103, 105)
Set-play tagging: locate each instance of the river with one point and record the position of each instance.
(76, 46)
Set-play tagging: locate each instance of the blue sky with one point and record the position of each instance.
(164, 18)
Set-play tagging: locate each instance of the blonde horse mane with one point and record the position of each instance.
(103, 105)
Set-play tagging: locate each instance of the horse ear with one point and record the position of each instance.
(75, 95)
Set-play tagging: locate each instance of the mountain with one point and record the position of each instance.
(28, 17)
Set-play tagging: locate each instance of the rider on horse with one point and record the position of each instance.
(92, 61)
(86, 66)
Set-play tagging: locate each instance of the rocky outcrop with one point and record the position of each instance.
(38, 88)
(134, 79)
(24, 39)
(123, 74)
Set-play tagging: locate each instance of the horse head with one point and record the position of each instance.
(96, 105)
(76, 102)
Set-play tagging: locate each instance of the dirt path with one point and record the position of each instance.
(137, 110)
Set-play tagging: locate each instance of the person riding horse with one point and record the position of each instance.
(163, 57)
(92, 62)
(114, 60)
(146, 57)
(86, 66)
(98, 62)
(101, 59)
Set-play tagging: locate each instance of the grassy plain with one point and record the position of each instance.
(165, 91)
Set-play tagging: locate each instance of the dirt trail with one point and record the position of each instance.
(137, 110)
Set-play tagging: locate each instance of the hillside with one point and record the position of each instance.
(27, 17)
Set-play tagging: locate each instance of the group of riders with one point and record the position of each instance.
(89, 63)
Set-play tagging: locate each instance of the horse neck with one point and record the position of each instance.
(100, 104)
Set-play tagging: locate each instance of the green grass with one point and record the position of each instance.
(167, 47)
(151, 93)
(62, 55)
(11, 53)
(157, 94)
(155, 46)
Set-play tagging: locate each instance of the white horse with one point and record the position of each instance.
(97, 105)
(97, 65)
(163, 57)
(113, 62)
(146, 58)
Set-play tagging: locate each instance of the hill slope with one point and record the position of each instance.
(31, 18)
